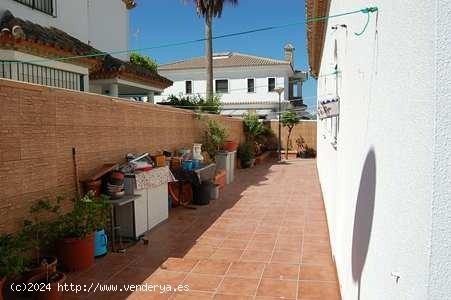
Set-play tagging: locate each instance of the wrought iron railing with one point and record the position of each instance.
(32, 73)
(46, 6)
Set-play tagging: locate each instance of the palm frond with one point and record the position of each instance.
(215, 7)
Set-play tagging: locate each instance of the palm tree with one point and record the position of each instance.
(210, 9)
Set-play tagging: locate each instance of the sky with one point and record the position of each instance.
(161, 22)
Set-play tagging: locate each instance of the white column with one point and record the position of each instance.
(114, 90)
(151, 97)
(299, 86)
(86, 82)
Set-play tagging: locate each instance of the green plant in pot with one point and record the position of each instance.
(246, 154)
(41, 237)
(12, 258)
(75, 245)
(214, 137)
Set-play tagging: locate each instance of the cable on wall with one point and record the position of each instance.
(368, 11)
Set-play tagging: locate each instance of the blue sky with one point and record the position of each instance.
(161, 22)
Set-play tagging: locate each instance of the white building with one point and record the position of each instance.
(384, 162)
(34, 33)
(244, 82)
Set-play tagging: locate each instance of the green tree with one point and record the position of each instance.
(252, 126)
(143, 61)
(289, 119)
(210, 9)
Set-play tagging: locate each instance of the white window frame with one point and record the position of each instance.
(247, 85)
(186, 87)
(275, 83)
(228, 85)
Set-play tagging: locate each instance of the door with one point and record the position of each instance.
(157, 205)
(141, 218)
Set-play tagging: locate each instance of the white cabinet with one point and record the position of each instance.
(157, 205)
(141, 219)
(147, 210)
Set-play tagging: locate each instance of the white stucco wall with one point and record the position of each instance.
(237, 82)
(440, 274)
(102, 23)
(109, 26)
(394, 90)
(70, 16)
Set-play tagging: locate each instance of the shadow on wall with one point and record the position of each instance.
(363, 218)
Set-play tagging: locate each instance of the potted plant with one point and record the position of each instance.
(214, 137)
(48, 286)
(230, 146)
(12, 259)
(41, 238)
(253, 127)
(246, 154)
(75, 245)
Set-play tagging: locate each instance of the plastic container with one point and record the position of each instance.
(196, 164)
(100, 243)
(187, 165)
(197, 152)
(201, 194)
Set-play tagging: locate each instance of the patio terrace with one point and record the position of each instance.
(265, 238)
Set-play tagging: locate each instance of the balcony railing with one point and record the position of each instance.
(45, 6)
(27, 72)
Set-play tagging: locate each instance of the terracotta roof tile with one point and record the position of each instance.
(223, 60)
(113, 67)
(51, 42)
(316, 32)
(52, 39)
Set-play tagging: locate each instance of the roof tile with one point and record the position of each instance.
(223, 60)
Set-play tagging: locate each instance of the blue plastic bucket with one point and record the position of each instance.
(196, 164)
(100, 243)
(187, 165)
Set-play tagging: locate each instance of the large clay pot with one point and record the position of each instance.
(47, 266)
(76, 254)
(49, 294)
(2, 283)
(230, 146)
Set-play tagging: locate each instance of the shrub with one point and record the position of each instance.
(12, 259)
(197, 103)
(304, 151)
(245, 154)
(252, 126)
(214, 137)
(144, 61)
(89, 214)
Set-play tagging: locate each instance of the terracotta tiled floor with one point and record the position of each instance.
(266, 238)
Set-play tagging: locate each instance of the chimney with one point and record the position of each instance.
(289, 53)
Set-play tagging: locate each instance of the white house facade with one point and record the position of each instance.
(91, 21)
(35, 35)
(384, 137)
(245, 83)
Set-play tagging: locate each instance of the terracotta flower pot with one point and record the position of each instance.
(2, 283)
(76, 254)
(117, 175)
(49, 294)
(49, 267)
(230, 146)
